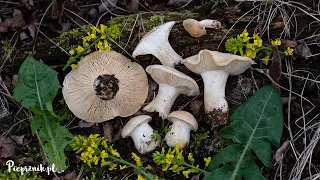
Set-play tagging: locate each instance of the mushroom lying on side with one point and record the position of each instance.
(172, 83)
(105, 85)
(197, 28)
(183, 123)
(156, 43)
(214, 68)
(140, 132)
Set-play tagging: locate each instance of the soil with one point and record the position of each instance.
(301, 119)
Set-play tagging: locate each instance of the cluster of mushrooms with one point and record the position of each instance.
(107, 84)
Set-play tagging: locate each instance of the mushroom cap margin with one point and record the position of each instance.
(184, 116)
(133, 123)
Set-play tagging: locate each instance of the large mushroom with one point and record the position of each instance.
(183, 123)
(214, 68)
(172, 83)
(105, 85)
(141, 133)
(156, 43)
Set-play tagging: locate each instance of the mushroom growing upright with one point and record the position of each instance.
(183, 123)
(172, 83)
(105, 85)
(156, 43)
(197, 28)
(214, 68)
(140, 132)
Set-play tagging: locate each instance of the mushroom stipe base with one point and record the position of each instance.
(217, 118)
(106, 86)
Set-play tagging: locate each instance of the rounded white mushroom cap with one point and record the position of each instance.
(133, 123)
(183, 123)
(141, 133)
(184, 116)
(174, 78)
(208, 60)
(105, 85)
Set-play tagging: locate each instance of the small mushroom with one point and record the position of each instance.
(214, 68)
(105, 85)
(156, 43)
(197, 28)
(140, 132)
(183, 123)
(172, 83)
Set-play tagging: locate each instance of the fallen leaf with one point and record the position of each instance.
(196, 177)
(275, 68)
(5, 25)
(303, 50)
(84, 124)
(107, 5)
(108, 130)
(195, 106)
(18, 20)
(7, 147)
(280, 152)
(27, 4)
(18, 139)
(70, 176)
(133, 5)
(178, 3)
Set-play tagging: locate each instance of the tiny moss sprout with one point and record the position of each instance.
(174, 161)
(101, 38)
(248, 46)
(6, 175)
(94, 150)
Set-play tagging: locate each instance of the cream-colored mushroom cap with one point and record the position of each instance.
(172, 77)
(214, 60)
(105, 85)
(184, 116)
(133, 123)
(194, 28)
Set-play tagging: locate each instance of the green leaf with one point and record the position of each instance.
(257, 123)
(54, 137)
(37, 85)
(155, 135)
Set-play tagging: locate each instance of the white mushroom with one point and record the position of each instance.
(197, 28)
(105, 85)
(140, 132)
(156, 43)
(214, 68)
(172, 83)
(183, 123)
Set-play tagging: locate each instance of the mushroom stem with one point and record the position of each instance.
(142, 138)
(164, 100)
(179, 134)
(208, 23)
(214, 90)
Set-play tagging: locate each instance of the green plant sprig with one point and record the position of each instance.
(95, 149)
(248, 46)
(174, 160)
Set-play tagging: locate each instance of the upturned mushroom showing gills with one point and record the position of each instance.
(172, 83)
(197, 28)
(183, 123)
(214, 68)
(156, 43)
(105, 85)
(140, 132)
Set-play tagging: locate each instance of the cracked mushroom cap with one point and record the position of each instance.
(214, 60)
(133, 123)
(184, 116)
(172, 77)
(105, 85)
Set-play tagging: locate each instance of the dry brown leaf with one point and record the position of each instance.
(195, 106)
(5, 25)
(7, 147)
(275, 68)
(27, 4)
(18, 20)
(18, 139)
